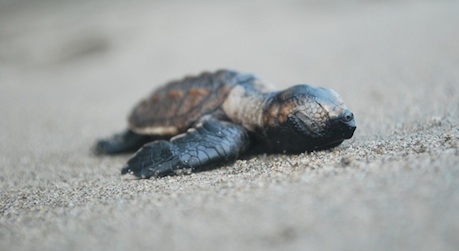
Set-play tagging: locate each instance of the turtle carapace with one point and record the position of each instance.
(202, 121)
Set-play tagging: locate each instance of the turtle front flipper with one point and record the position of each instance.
(123, 142)
(209, 143)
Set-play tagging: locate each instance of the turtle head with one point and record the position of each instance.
(309, 118)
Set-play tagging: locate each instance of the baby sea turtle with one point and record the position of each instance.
(200, 122)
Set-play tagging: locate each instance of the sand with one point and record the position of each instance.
(70, 71)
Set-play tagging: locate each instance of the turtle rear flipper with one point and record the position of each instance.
(123, 142)
(208, 143)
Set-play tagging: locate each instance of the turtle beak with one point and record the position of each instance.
(344, 125)
(349, 130)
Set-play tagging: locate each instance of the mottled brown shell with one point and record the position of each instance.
(176, 106)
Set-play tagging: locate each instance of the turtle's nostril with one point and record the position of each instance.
(347, 124)
(347, 116)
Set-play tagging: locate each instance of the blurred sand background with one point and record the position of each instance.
(70, 71)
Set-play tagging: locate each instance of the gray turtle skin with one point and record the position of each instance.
(204, 121)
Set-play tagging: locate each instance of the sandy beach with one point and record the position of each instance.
(71, 71)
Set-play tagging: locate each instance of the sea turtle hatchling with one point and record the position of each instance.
(203, 121)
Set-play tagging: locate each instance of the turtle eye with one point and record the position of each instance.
(306, 122)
